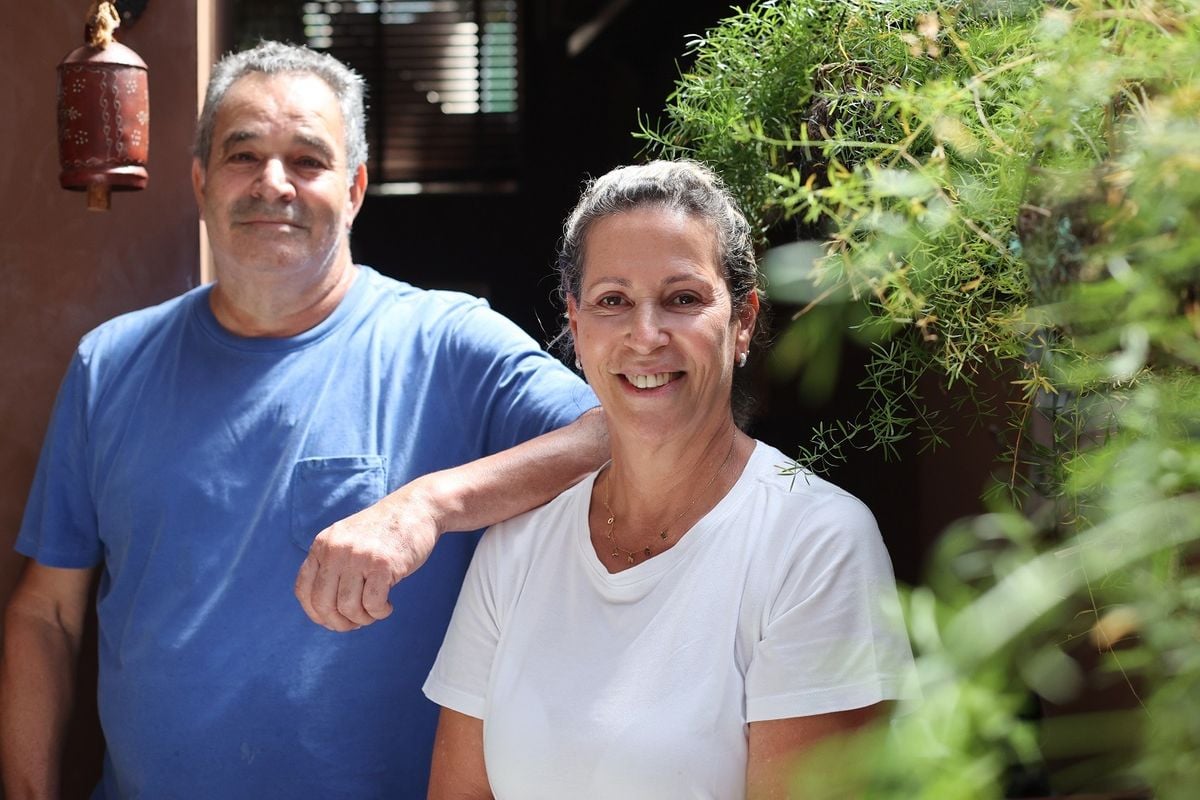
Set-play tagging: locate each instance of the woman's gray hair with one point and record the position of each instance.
(277, 58)
(686, 186)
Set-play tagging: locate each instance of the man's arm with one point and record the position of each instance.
(354, 563)
(43, 626)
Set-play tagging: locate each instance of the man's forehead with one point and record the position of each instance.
(259, 104)
(300, 136)
(297, 89)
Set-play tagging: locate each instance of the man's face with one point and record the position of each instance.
(276, 196)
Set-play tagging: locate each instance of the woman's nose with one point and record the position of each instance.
(647, 331)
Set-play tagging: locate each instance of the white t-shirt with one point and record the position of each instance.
(779, 603)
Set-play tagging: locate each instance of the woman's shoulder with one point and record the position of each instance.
(785, 480)
(793, 506)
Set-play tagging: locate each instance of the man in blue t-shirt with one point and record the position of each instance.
(303, 428)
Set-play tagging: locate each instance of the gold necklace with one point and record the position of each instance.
(647, 551)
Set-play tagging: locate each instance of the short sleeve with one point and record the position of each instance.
(460, 674)
(59, 527)
(504, 382)
(830, 637)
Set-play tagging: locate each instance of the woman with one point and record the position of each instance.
(685, 621)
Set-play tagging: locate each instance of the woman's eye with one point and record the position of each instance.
(686, 299)
(609, 301)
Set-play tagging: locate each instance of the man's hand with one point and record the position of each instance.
(354, 563)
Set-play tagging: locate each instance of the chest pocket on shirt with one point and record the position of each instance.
(327, 489)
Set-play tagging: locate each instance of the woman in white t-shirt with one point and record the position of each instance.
(688, 620)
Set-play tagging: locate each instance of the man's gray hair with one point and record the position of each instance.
(277, 58)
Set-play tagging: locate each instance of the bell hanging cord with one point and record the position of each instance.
(102, 20)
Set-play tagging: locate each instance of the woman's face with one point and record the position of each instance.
(653, 324)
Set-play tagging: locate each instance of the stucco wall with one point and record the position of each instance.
(64, 269)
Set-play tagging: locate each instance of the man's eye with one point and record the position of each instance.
(308, 162)
(243, 157)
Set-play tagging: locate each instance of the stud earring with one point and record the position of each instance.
(742, 357)
(578, 366)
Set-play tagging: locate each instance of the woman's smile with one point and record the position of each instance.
(652, 381)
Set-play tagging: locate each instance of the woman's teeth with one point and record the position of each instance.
(650, 381)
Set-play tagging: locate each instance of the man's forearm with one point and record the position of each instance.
(37, 678)
(509, 483)
(352, 565)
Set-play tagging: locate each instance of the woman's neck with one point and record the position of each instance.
(671, 484)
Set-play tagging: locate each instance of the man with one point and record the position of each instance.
(198, 447)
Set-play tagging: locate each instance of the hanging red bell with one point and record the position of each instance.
(103, 114)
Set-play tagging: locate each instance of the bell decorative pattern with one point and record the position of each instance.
(103, 120)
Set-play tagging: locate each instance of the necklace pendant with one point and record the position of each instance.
(629, 558)
(615, 554)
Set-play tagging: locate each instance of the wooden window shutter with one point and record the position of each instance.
(443, 76)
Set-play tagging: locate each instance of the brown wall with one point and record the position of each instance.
(64, 269)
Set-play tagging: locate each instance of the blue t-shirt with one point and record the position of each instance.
(197, 466)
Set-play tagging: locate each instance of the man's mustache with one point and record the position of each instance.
(252, 208)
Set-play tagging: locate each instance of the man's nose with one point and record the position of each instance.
(274, 182)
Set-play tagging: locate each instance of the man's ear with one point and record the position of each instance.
(358, 190)
(198, 184)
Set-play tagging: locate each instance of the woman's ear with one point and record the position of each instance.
(573, 315)
(746, 318)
